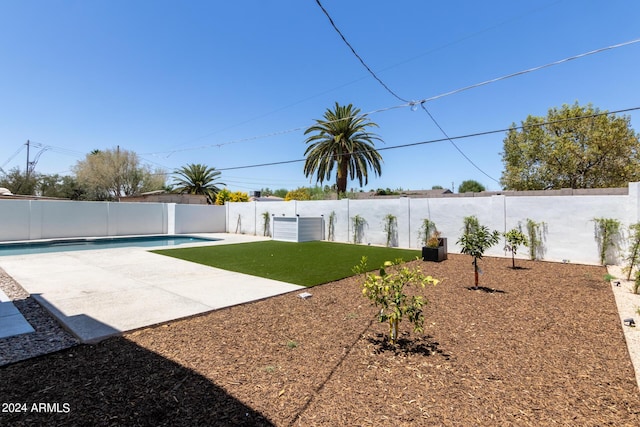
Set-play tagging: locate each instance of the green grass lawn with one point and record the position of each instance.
(306, 264)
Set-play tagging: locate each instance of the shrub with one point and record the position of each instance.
(391, 229)
(332, 226)
(358, 228)
(534, 232)
(607, 230)
(266, 225)
(301, 193)
(426, 231)
(634, 248)
(387, 291)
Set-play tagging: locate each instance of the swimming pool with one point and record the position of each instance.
(82, 244)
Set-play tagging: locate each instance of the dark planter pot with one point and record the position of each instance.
(436, 254)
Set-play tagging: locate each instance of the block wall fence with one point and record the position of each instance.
(51, 219)
(568, 219)
(568, 232)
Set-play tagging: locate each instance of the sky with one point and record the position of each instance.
(234, 84)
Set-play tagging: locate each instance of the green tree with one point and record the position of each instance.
(109, 174)
(17, 182)
(301, 193)
(470, 186)
(197, 179)
(280, 192)
(225, 195)
(571, 149)
(341, 140)
(54, 185)
(475, 240)
(387, 290)
(515, 238)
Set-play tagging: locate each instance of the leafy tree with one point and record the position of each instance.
(437, 187)
(198, 179)
(280, 192)
(515, 238)
(17, 182)
(109, 174)
(475, 240)
(301, 193)
(387, 291)
(563, 150)
(60, 186)
(225, 195)
(341, 140)
(470, 186)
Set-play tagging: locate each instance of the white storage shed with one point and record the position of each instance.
(297, 229)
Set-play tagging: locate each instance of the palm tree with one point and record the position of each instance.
(341, 139)
(197, 179)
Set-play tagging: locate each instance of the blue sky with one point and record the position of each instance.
(232, 84)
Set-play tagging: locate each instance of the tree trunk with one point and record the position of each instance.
(342, 173)
(475, 269)
(393, 325)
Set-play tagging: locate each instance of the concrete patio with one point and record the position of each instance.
(99, 293)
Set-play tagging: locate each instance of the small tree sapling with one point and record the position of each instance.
(515, 238)
(387, 291)
(475, 240)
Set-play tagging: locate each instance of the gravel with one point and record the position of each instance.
(48, 337)
(628, 305)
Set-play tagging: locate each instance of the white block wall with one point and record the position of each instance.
(49, 219)
(569, 226)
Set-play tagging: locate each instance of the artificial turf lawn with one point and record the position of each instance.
(306, 264)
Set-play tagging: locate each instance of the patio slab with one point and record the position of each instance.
(99, 293)
(12, 322)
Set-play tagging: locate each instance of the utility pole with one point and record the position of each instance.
(118, 172)
(26, 170)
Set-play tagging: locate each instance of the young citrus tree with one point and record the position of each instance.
(515, 238)
(387, 291)
(475, 240)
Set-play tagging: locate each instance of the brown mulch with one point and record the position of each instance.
(541, 345)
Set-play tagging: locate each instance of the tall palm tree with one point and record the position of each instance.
(341, 139)
(197, 179)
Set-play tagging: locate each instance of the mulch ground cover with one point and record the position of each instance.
(540, 345)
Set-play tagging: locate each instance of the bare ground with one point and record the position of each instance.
(541, 345)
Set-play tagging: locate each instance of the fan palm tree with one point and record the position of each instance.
(341, 139)
(197, 179)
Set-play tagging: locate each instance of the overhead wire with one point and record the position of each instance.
(422, 102)
(344, 39)
(448, 138)
(405, 103)
(451, 43)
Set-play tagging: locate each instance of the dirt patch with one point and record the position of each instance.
(535, 346)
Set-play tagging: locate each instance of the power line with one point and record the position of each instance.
(530, 70)
(412, 104)
(471, 135)
(344, 39)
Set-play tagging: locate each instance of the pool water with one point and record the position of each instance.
(68, 245)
